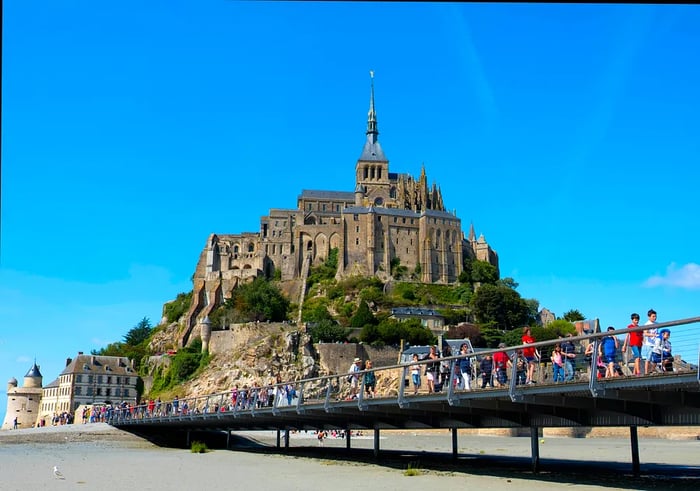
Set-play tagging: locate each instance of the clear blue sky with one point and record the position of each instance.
(568, 134)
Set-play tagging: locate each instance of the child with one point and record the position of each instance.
(486, 367)
(415, 374)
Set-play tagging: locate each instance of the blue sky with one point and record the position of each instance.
(131, 131)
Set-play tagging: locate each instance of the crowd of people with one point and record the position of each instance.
(647, 350)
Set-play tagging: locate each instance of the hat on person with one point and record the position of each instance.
(356, 360)
(502, 345)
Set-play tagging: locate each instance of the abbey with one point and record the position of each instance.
(389, 218)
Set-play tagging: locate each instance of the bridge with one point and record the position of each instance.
(667, 396)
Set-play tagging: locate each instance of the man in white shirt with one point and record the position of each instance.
(649, 340)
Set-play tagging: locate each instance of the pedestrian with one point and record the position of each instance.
(465, 367)
(415, 374)
(635, 340)
(501, 362)
(568, 350)
(649, 340)
(531, 355)
(370, 381)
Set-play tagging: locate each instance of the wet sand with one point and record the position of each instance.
(100, 457)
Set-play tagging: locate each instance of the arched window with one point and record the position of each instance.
(251, 247)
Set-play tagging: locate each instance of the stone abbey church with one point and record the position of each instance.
(388, 217)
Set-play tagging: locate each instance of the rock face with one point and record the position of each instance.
(253, 353)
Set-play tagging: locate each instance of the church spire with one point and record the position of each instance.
(372, 115)
(372, 151)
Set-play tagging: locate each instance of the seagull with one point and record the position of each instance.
(56, 473)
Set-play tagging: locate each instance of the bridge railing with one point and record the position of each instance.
(596, 361)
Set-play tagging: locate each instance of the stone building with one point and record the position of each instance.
(23, 402)
(389, 218)
(89, 379)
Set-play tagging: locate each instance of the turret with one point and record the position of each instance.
(33, 379)
(11, 384)
(205, 325)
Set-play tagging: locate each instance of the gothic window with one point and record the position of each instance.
(355, 217)
(323, 206)
(309, 246)
(366, 172)
(235, 249)
(357, 229)
(357, 241)
(251, 247)
(403, 220)
(337, 207)
(392, 193)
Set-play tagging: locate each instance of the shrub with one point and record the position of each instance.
(178, 307)
(199, 447)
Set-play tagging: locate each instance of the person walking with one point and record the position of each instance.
(415, 374)
(649, 340)
(568, 350)
(531, 355)
(465, 367)
(634, 340)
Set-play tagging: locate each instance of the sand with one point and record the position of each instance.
(97, 457)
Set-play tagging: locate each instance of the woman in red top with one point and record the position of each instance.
(530, 354)
(634, 340)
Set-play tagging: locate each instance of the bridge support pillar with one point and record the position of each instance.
(376, 442)
(286, 438)
(634, 442)
(535, 448)
(347, 438)
(228, 439)
(454, 443)
(278, 439)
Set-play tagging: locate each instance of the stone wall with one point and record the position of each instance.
(337, 358)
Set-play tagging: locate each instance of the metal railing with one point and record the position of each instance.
(394, 383)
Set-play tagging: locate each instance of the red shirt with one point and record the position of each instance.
(500, 359)
(528, 352)
(636, 338)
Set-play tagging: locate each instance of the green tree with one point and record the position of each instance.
(499, 305)
(363, 316)
(484, 273)
(327, 331)
(509, 282)
(139, 333)
(260, 301)
(573, 315)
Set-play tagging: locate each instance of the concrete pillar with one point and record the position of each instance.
(634, 442)
(286, 438)
(454, 443)
(347, 438)
(376, 442)
(278, 438)
(535, 448)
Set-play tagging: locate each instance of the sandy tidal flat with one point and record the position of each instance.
(97, 457)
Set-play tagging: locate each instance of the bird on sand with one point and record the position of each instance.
(56, 473)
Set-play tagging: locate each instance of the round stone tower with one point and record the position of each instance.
(23, 402)
(206, 334)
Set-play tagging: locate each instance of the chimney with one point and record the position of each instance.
(92, 360)
(68, 360)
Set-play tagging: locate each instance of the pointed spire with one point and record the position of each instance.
(372, 151)
(472, 234)
(372, 115)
